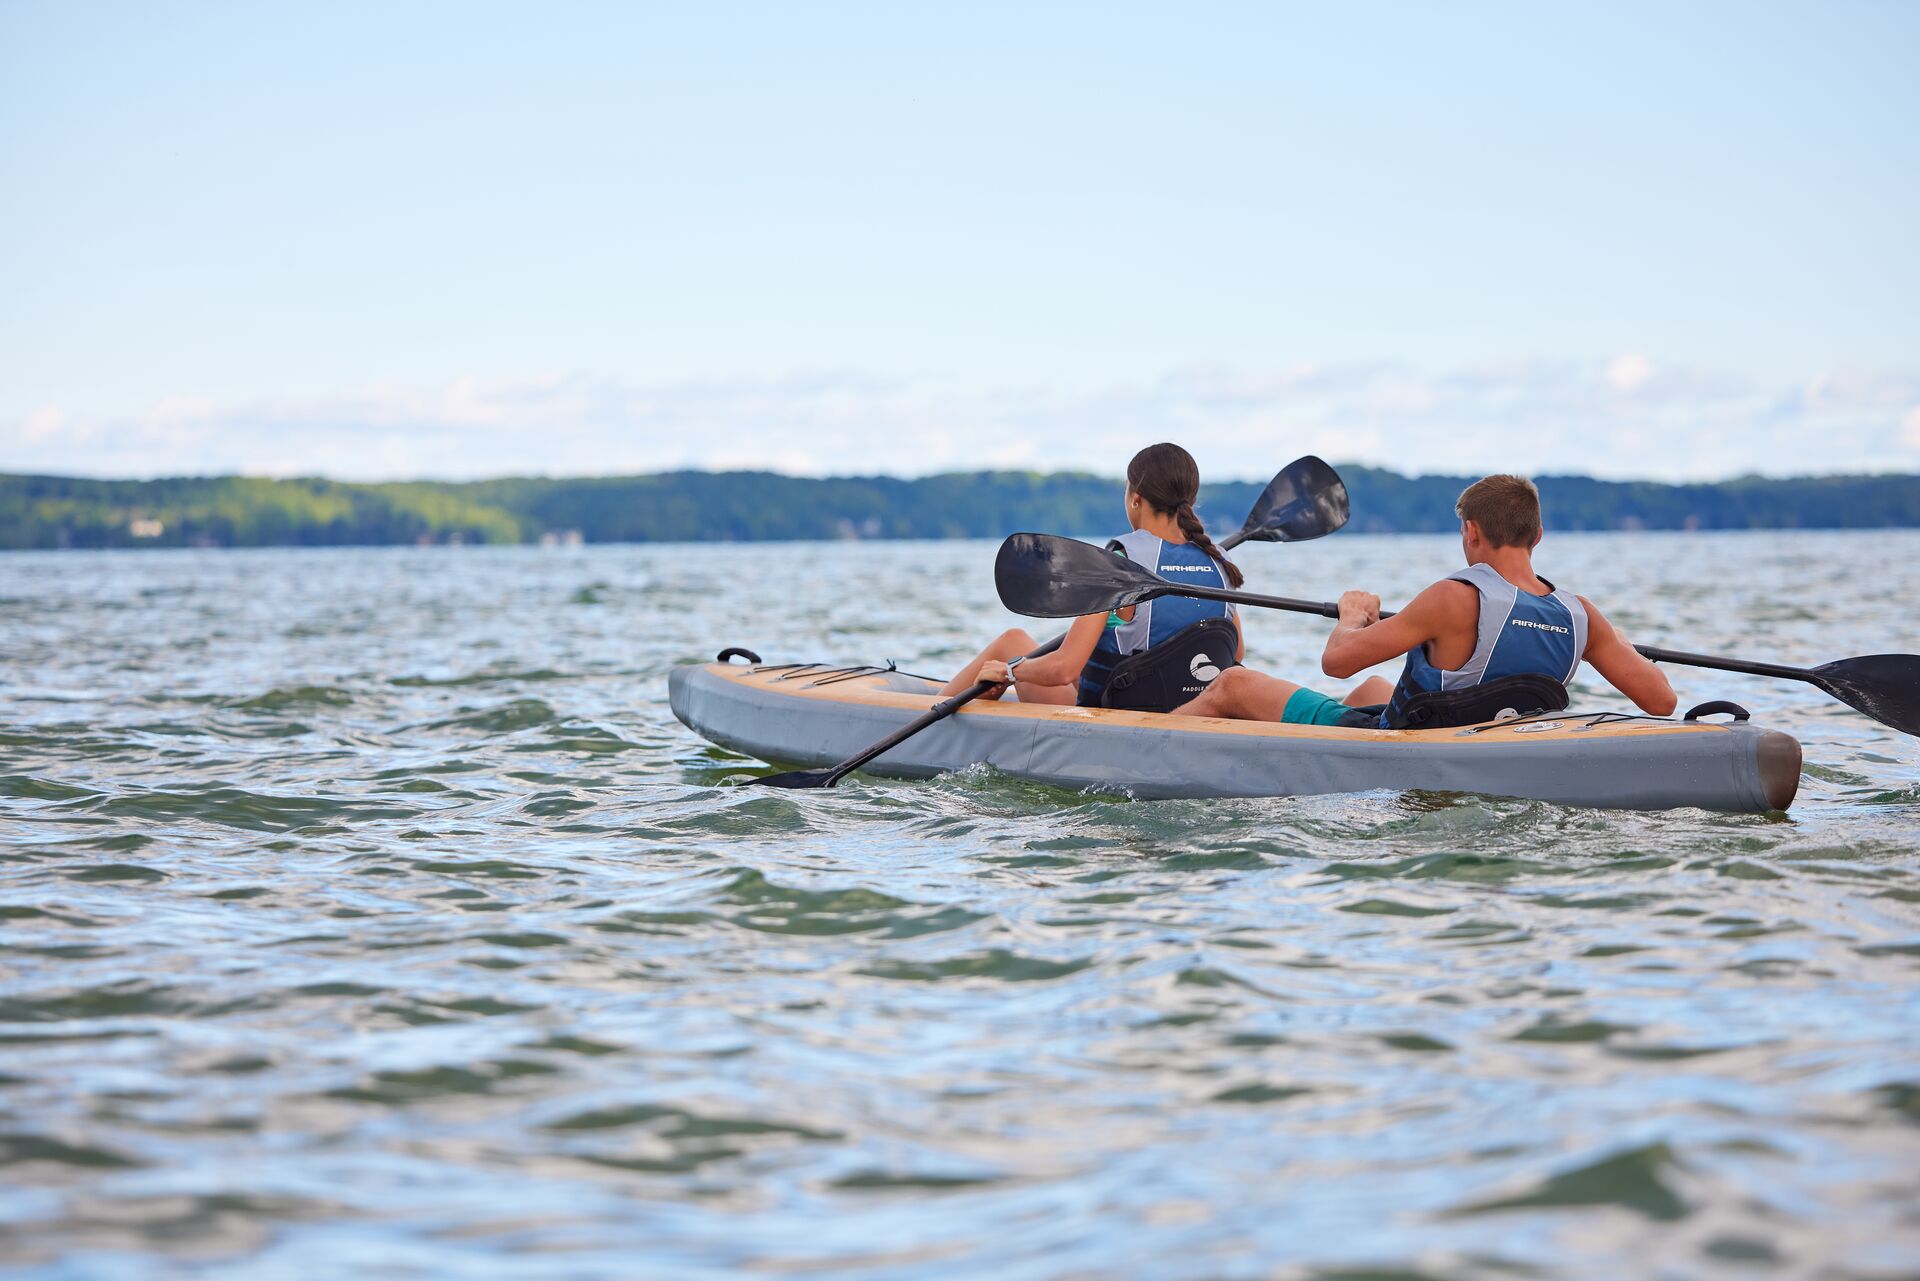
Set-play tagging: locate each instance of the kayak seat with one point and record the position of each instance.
(1494, 700)
(1175, 671)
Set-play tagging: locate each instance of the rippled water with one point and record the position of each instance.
(366, 911)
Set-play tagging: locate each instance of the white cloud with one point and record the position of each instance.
(1624, 417)
(1629, 373)
(43, 424)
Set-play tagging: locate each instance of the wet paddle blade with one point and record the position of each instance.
(1044, 576)
(1883, 686)
(1306, 500)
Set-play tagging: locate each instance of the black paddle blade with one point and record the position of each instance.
(1044, 576)
(1306, 500)
(1883, 686)
(799, 779)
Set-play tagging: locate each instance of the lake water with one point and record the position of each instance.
(367, 913)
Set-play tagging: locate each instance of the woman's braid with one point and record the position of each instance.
(1189, 522)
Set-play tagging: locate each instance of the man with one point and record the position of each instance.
(1494, 631)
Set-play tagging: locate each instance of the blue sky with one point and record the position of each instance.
(473, 239)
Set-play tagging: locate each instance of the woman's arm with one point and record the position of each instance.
(1062, 667)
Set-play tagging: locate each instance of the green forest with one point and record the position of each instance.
(45, 512)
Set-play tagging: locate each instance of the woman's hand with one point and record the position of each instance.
(995, 672)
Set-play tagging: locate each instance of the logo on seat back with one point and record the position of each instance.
(1203, 669)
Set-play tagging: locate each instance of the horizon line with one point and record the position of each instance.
(6, 474)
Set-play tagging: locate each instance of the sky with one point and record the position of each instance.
(380, 241)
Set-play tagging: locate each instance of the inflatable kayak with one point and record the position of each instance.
(813, 714)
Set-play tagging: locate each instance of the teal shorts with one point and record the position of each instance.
(1305, 707)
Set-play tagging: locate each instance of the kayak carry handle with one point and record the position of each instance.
(1716, 707)
(731, 652)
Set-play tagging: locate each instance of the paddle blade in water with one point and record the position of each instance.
(1306, 500)
(1043, 576)
(799, 779)
(1883, 686)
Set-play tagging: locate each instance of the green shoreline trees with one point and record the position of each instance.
(239, 511)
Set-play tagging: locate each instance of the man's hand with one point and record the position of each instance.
(1359, 609)
(995, 672)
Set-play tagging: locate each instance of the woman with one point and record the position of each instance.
(1151, 657)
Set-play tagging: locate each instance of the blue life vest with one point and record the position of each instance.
(1520, 634)
(1156, 621)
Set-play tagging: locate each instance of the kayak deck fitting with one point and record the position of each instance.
(815, 714)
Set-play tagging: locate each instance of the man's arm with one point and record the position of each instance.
(1624, 668)
(1362, 638)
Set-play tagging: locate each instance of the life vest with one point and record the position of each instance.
(1526, 650)
(1167, 659)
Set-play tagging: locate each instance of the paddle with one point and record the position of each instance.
(1044, 576)
(1885, 687)
(1306, 500)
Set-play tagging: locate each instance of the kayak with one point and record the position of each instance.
(815, 714)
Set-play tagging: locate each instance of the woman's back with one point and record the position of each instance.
(1156, 621)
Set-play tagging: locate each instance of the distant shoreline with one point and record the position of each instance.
(149, 548)
(56, 513)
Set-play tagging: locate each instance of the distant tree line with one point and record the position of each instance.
(692, 506)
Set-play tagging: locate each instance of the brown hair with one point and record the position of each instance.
(1507, 509)
(1168, 478)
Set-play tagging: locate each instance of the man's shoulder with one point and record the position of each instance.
(1451, 591)
(1445, 607)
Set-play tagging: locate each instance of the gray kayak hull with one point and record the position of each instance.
(816, 715)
